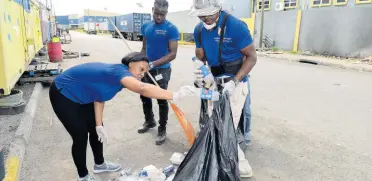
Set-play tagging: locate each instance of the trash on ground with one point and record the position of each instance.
(148, 173)
(170, 178)
(71, 54)
(154, 174)
(214, 155)
(125, 172)
(169, 170)
(177, 158)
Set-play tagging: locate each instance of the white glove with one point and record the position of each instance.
(230, 87)
(151, 65)
(102, 135)
(183, 92)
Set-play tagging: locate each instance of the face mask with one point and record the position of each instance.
(209, 27)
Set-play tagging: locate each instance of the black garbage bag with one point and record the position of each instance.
(214, 155)
(240, 131)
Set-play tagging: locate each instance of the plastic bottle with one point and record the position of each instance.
(168, 171)
(207, 75)
(208, 94)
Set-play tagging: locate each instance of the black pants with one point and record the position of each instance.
(79, 120)
(165, 73)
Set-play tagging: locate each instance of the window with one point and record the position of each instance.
(289, 4)
(363, 1)
(266, 5)
(319, 3)
(341, 2)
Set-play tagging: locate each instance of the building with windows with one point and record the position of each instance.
(331, 27)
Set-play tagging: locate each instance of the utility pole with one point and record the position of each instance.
(262, 22)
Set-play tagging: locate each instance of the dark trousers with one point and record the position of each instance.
(79, 121)
(165, 73)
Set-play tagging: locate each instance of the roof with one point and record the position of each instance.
(92, 12)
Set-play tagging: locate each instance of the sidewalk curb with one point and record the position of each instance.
(17, 148)
(318, 62)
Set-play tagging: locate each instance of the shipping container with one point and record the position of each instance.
(62, 20)
(130, 25)
(90, 26)
(20, 40)
(96, 19)
(73, 21)
(111, 27)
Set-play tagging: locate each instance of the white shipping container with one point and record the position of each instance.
(89, 26)
(103, 26)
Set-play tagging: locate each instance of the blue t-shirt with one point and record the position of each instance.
(90, 82)
(237, 36)
(157, 39)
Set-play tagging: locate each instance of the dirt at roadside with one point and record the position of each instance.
(10, 123)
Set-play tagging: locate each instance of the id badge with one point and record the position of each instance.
(158, 77)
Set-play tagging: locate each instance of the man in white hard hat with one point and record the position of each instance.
(225, 43)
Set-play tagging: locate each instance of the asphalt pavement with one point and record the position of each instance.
(309, 122)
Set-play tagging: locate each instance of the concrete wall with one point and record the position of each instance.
(238, 8)
(279, 26)
(339, 31)
(183, 21)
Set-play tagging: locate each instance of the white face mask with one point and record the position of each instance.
(209, 27)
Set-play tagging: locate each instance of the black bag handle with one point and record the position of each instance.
(221, 39)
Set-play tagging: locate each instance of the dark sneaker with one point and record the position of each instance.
(146, 127)
(160, 138)
(106, 167)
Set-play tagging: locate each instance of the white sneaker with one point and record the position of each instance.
(245, 169)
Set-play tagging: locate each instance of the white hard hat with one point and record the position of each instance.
(205, 7)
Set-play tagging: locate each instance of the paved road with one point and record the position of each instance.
(309, 122)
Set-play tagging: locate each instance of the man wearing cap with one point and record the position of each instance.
(225, 43)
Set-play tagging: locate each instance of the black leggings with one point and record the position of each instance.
(79, 120)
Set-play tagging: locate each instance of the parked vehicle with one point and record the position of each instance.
(129, 25)
(93, 32)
